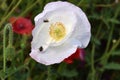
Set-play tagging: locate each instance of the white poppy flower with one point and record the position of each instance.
(59, 30)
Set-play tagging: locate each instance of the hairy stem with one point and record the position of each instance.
(92, 63)
(7, 27)
(49, 73)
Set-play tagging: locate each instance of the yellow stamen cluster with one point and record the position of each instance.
(57, 31)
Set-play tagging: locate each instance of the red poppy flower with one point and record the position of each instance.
(21, 25)
(79, 54)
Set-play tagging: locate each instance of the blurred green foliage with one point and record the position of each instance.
(102, 61)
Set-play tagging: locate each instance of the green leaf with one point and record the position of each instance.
(106, 23)
(70, 73)
(116, 53)
(95, 16)
(114, 21)
(95, 40)
(61, 68)
(64, 71)
(112, 66)
(10, 71)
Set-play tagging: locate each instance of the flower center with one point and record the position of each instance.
(57, 31)
(21, 26)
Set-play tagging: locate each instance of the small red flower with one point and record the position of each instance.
(21, 25)
(79, 54)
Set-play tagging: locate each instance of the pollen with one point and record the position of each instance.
(57, 31)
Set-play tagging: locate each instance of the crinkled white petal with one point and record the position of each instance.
(53, 54)
(55, 6)
(39, 16)
(50, 7)
(82, 32)
(41, 36)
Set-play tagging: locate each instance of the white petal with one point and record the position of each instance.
(40, 36)
(40, 33)
(39, 16)
(55, 6)
(49, 7)
(53, 54)
(82, 31)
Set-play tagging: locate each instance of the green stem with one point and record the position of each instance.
(93, 53)
(4, 44)
(107, 47)
(23, 46)
(8, 26)
(98, 32)
(80, 2)
(117, 12)
(27, 9)
(4, 19)
(112, 49)
(48, 73)
(105, 59)
(110, 52)
(10, 35)
(8, 8)
(109, 39)
(92, 63)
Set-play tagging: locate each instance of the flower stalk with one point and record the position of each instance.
(48, 73)
(7, 27)
(92, 63)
